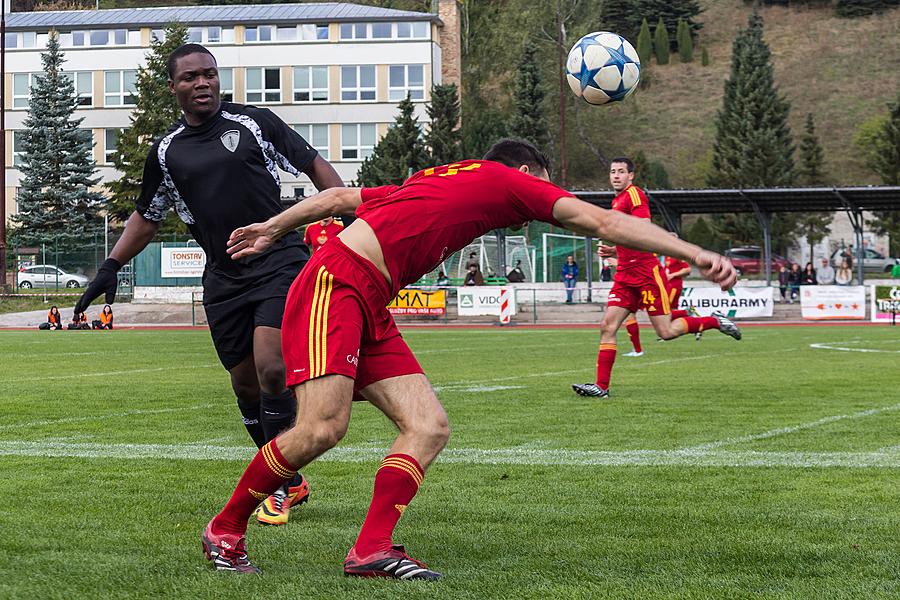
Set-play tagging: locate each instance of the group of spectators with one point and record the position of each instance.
(790, 279)
(79, 320)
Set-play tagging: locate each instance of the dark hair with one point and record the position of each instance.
(624, 159)
(184, 50)
(515, 153)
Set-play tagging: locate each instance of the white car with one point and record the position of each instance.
(48, 276)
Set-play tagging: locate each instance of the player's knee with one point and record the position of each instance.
(326, 434)
(247, 394)
(271, 377)
(667, 333)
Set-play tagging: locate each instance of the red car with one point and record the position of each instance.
(747, 260)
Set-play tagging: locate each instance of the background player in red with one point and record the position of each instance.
(639, 284)
(340, 341)
(319, 233)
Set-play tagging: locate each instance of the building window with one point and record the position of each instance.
(358, 83)
(264, 85)
(261, 33)
(22, 83)
(311, 33)
(406, 80)
(18, 147)
(415, 30)
(111, 145)
(11, 40)
(316, 135)
(310, 84)
(226, 85)
(22, 39)
(195, 35)
(357, 141)
(120, 88)
(381, 31)
(354, 31)
(83, 83)
(158, 35)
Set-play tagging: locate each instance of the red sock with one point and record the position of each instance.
(266, 473)
(679, 314)
(634, 332)
(396, 483)
(605, 359)
(696, 324)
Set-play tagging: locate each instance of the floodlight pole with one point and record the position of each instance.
(3, 147)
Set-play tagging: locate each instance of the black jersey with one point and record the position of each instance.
(222, 175)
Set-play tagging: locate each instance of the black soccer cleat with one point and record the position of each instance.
(393, 563)
(727, 326)
(590, 389)
(227, 552)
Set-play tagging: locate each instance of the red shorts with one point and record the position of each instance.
(675, 286)
(650, 294)
(336, 322)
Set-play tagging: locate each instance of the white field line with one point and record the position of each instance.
(126, 413)
(832, 346)
(472, 456)
(114, 373)
(788, 430)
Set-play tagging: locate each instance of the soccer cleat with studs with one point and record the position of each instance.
(590, 389)
(275, 510)
(393, 563)
(634, 354)
(227, 552)
(727, 326)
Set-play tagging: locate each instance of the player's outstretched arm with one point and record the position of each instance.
(259, 237)
(138, 233)
(641, 234)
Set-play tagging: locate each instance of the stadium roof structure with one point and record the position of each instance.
(221, 14)
(763, 202)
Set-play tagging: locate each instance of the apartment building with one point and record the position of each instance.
(335, 72)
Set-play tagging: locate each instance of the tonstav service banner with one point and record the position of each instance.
(482, 300)
(885, 301)
(738, 302)
(182, 262)
(823, 302)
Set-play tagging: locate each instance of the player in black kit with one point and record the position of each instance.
(217, 167)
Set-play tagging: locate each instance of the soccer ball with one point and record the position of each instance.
(603, 67)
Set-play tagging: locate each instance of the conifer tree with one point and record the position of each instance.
(811, 155)
(156, 109)
(672, 10)
(56, 202)
(753, 146)
(644, 44)
(862, 8)
(685, 43)
(528, 121)
(399, 154)
(661, 43)
(620, 16)
(885, 161)
(704, 58)
(443, 139)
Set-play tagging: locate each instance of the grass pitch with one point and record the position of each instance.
(766, 467)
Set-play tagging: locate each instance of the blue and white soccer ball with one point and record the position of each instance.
(603, 67)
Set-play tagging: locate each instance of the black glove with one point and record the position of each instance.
(105, 281)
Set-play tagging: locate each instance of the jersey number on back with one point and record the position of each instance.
(451, 169)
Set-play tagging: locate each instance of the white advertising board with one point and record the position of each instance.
(182, 262)
(823, 302)
(738, 302)
(483, 300)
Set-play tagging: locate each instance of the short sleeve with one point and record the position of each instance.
(372, 193)
(291, 152)
(638, 204)
(155, 200)
(307, 238)
(534, 197)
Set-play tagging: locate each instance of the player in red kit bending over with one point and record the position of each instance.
(639, 284)
(341, 342)
(318, 233)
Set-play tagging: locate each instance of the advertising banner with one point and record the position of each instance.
(483, 300)
(182, 262)
(738, 302)
(418, 302)
(885, 302)
(823, 302)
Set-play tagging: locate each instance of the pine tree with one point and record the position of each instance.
(661, 43)
(156, 109)
(753, 146)
(814, 225)
(645, 44)
(56, 203)
(885, 161)
(685, 44)
(862, 8)
(704, 58)
(443, 139)
(672, 10)
(528, 121)
(399, 154)
(620, 16)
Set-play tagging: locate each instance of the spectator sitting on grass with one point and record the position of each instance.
(54, 319)
(106, 319)
(79, 321)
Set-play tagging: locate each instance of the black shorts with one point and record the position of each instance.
(233, 320)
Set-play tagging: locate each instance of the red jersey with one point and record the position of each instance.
(674, 264)
(317, 234)
(634, 266)
(439, 210)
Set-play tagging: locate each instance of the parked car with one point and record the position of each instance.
(873, 262)
(48, 276)
(747, 260)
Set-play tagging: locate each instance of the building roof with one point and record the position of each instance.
(198, 15)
